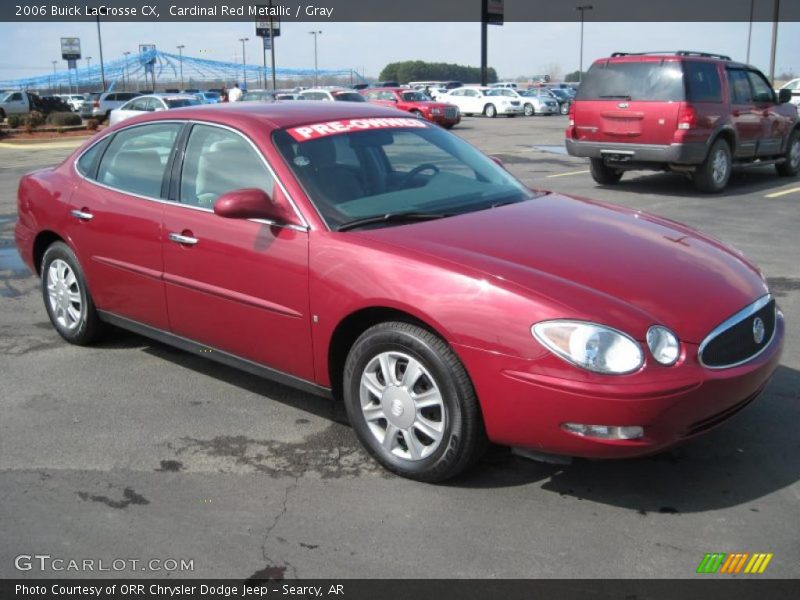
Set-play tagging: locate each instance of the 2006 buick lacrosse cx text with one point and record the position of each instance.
(353, 252)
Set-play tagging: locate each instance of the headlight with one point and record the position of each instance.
(663, 344)
(590, 346)
(436, 111)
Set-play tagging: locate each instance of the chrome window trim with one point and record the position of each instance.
(304, 227)
(747, 311)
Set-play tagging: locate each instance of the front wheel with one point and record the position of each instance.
(529, 112)
(712, 176)
(603, 174)
(411, 403)
(791, 167)
(66, 297)
(490, 111)
(564, 109)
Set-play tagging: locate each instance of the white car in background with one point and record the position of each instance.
(793, 85)
(333, 95)
(475, 100)
(154, 102)
(75, 101)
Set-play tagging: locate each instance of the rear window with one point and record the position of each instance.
(349, 97)
(181, 102)
(658, 81)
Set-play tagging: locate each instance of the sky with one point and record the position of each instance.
(515, 49)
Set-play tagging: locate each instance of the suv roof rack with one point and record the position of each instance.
(675, 52)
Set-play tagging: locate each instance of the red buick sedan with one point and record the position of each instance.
(418, 104)
(356, 252)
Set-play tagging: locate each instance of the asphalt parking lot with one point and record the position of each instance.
(132, 449)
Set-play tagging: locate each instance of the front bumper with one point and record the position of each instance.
(442, 120)
(510, 110)
(522, 407)
(548, 110)
(690, 153)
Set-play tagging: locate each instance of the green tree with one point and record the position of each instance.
(575, 76)
(418, 70)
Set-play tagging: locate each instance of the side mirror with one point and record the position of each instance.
(250, 203)
(784, 96)
(498, 162)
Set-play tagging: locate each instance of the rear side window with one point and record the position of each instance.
(648, 80)
(87, 163)
(137, 158)
(702, 82)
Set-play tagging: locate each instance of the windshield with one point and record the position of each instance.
(181, 102)
(390, 166)
(349, 97)
(4, 96)
(643, 80)
(415, 97)
(501, 92)
(211, 95)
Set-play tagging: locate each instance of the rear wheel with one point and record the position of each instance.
(603, 174)
(418, 114)
(564, 109)
(529, 112)
(490, 111)
(66, 297)
(713, 175)
(411, 403)
(791, 167)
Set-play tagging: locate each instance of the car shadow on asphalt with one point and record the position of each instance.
(755, 454)
(742, 183)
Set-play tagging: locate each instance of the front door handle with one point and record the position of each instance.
(82, 215)
(179, 238)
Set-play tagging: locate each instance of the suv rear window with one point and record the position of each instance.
(646, 80)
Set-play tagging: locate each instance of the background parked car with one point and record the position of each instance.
(75, 101)
(258, 96)
(484, 101)
(153, 103)
(564, 99)
(682, 111)
(99, 105)
(538, 101)
(794, 87)
(330, 95)
(22, 103)
(416, 103)
(209, 97)
(289, 96)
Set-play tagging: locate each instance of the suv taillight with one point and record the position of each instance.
(687, 117)
(571, 114)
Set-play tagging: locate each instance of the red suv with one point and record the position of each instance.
(417, 103)
(688, 112)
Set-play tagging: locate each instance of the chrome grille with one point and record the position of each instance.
(450, 112)
(734, 342)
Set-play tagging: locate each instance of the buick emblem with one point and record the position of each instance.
(623, 105)
(758, 330)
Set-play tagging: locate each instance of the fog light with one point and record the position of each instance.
(606, 432)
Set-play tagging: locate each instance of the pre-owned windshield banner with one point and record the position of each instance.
(318, 130)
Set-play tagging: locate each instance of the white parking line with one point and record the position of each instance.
(568, 174)
(783, 193)
(44, 145)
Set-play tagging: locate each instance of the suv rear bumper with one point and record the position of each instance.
(692, 153)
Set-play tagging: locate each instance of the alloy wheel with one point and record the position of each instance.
(719, 166)
(64, 295)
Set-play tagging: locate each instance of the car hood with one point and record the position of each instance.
(595, 261)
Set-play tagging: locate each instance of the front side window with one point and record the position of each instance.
(368, 173)
(740, 92)
(414, 97)
(218, 161)
(762, 92)
(137, 158)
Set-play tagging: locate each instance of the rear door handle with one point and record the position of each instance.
(179, 238)
(82, 215)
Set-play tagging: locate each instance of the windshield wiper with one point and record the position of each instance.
(408, 217)
(617, 97)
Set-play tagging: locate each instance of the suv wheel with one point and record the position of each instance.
(490, 111)
(712, 176)
(66, 297)
(411, 403)
(603, 174)
(791, 167)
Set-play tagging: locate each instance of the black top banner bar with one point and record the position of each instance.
(403, 11)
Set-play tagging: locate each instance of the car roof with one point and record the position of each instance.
(276, 115)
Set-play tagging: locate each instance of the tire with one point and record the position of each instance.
(451, 411)
(603, 174)
(2, 115)
(449, 126)
(418, 115)
(529, 110)
(792, 165)
(712, 176)
(564, 110)
(62, 275)
(490, 111)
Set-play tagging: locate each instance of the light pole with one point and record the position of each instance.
(125, 73)
(88, 68)
(776, 17)
(244, 62)
(100, 44)
(54, 73)
(750, 30)
(582, 9)
(315, 34)
(180, 61)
